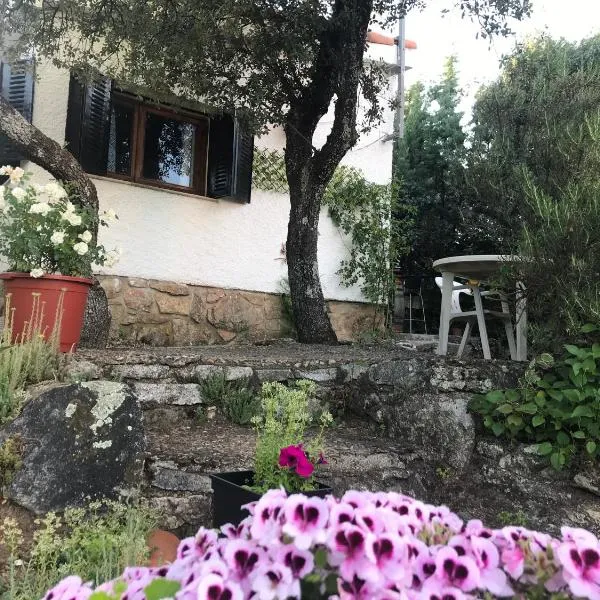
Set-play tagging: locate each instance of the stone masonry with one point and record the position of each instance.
(164, 313)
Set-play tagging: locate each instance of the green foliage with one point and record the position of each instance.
(284, 421)
(234, 399)
(515, 519)
(429, 168)
(563, 290)
(10, 459)
(367, 213)
(96, 543)
(31, 360)
(558, 406)
(41, 231)
(521, 124)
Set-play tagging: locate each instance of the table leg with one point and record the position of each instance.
(485, 344)
(521, 322)
(445, 309)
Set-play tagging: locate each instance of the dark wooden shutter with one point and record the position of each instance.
(230, 153)
(17, 88)
(88, 119)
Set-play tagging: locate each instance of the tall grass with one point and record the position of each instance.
(30, 357)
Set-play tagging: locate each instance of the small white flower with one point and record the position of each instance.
(6, 170)
(19, 193)
(2, 190)
(39, 208)
(86, 236)
(72, 218)
(58, 237)
(109, 215)
(39, 189)
(55, 191)
(81, 248)
(112, 257)
(36, 272)
(18, 562)
(16, 174)
(70, 207)
(38, 228)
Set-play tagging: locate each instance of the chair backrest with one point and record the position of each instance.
(455, 305)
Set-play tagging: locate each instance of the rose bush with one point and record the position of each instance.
(371, 546)
(42, 231)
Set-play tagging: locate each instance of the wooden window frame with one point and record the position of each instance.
(138, 132)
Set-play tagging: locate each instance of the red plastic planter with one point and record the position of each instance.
(60, 298)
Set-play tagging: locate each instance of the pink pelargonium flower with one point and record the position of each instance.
(266, 520)
(294, 457)
(215, 587)
(274, 581)
(305, 520)
(580, 560)
(242, 557)
(68, 588)
(299, 562)
(487, 558)
(456, 571)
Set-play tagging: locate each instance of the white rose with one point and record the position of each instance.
(36, 272)
(16, 174)
(39, 189)
(72, 218)
(19, 193)
(81, 248)
(70, 206)
(58, 237)
(39, 208)
(55, 191)
(6, 170)
(86, 236)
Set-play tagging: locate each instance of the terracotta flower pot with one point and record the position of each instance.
(229, 495)
(163, 547)
(47, 303)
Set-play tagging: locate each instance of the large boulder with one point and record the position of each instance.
(79, 441)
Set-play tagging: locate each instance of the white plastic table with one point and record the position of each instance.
(478, 267)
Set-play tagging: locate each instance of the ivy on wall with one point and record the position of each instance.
(367, 212)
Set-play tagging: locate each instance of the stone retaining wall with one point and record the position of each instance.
(164, 313)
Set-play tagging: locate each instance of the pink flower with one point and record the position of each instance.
(305, 520)
(456, 571)
(275, 581)
(242, 557)
(70, 587)
(487, 558)
(348, 544)
(214, 587)
(294, 458)
(580, 560)
(299, 562)
(266, 520)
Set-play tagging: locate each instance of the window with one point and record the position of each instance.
(156, 146)
(115, 134)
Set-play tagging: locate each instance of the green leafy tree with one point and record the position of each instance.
(281, 62)
(521, 128)
(429, 165)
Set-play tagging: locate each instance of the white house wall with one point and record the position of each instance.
(180, 237)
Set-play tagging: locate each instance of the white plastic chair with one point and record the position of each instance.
(470, 317)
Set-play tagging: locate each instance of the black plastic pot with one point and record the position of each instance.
(229, 496)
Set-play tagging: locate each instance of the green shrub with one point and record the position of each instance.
(234, 399)
(558, 406)
(96, 543)
(10, 460)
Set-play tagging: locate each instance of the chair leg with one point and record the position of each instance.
(465, 339)
(445, 309)
(423, 311)
(485, 344)
(510, 334)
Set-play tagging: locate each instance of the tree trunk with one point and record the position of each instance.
(337, 72)
(63, 166)
(308, 303)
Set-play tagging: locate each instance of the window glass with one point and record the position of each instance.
(120, 140)
(168, 150)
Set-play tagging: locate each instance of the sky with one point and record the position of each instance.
(439, 36)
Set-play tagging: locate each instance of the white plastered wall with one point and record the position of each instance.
(180, 237)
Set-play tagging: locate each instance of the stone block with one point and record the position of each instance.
(140, 371)
(166, 476)
(235, 373)
(214, 295)
(226, 335)
(137, 282)
(138, 299)
(198, 309)
(159, 394)
(196, 373)
(179, 305)
(318, 375)
(112, 286)
(175, 512)
(168, 287)
(81, 441)
(352, 371)
(82, 370)
(274, 374)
